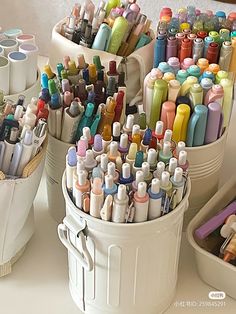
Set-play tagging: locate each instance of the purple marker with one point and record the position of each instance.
(171, 48)
(97, 146)
(71, 163)
(65, 86)
(214, 122)
(124, 144)
(215, 222)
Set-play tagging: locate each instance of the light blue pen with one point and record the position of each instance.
(109, 188)
(197, 126)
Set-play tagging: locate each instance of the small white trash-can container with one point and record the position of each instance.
(55, 166)
(122, 268)
(204, 170)
(212, 269)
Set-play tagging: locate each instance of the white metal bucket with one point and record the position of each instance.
(204, 169)
(210, 266)
(55, 165)
(122, 268)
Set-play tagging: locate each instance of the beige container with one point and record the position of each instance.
(204, 170)
(213, 270)
(55, 166)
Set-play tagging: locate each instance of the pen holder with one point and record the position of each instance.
(136, 65)
(204, 170)
(55, 165)
(122, 268)
(16, 212)
(212, 269)
(30, 92)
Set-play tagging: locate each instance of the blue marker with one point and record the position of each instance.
(159, 50)
(86, 119)
(109, 188)
(165, 67)
(44, 80)
(138, 162)
(126, 177)
(146, 140)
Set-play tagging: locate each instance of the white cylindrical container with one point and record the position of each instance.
(26, 38)
(8, 46)
(18, 71)
(4, 75)
(110, 266)
(31, 51)
(204, 170)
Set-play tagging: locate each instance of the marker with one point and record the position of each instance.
(155, 199)
(139, 177)
(180, 146)
(71, 163)
(225, 55)
(116, 128)
(130, 158)
(230, 250)
(126, 176)
(212, 53)
(181, 123)
(120, 205)
(27, 148)
(82, 186)
(182, 161)
(81, 149)
(89, 162)
(127, 128)
(173, 163)
(106, 211)
(165, 153)
(166, 187)
(124, 144)
(187, 62)
(215, 94)
(96, 198)
(106, 137)
(152, 158)
(158, 133)
(138, 162)
(160, 168)
(111, 170)
(146, 172)
(203, 64)
(146, 140)
(98, 145)
(108, 116)
(113, 152)
(119, 105)
(141, 201)
(142, 123)
(110, 187)
(178, 187)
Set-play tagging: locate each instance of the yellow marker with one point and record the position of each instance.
(187, 85)
(168, 76)
(232, 66)
(92, 73)
(72, 68)
(136, 138)
(130, 158)
(47, 69)
(227, 85)
(181, 123)
(184, 26)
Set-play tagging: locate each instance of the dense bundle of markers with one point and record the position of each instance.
(82, 95)
(225, 237)
(117, 26)
(128, 175)
(22, 132)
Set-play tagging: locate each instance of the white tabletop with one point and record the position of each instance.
(39, 281)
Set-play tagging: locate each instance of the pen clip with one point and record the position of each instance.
(226, 242)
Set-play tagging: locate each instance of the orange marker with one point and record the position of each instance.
(108, 116)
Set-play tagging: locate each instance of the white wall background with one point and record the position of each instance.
(39, 16)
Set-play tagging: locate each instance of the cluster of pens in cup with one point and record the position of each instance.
(22, 132)
(18, 61)
(218, 234)
(127, 174)
(82, 95)
(116, 26)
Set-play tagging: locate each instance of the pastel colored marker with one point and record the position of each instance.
(171, 47)
(214, 122)
(103, 162)
(146, 172)
(141, 201)
(207, 41)
(106, 210)
(187, 84)
(111, 170)
(110, 188)
(138, 162)
(182, 160)
(152, 158)
(186, 63)
(165, 153)
(130, 158)
(203, 64)
(221, 75)
(81, 149)
(124, 144)
(139, 177)
(155, 199)
(181, 76)
(97, 146)
(164, 67)
(174, 63)
(214, 68)
(198, 46)
(142, 121)
(227, 85)
(179, 147)
(225, 55)
(194, 70)
(82, 186)
(168, 114)
(113, 152)
(96, 198)
(159, 169)
(120, 205)
(206, 85)
(126, 176)
(168, 76)
(168, 138)
(215, 94)
(178, 183)
(181, 123)
(196, 95)
(173, 90)
(118, 31)
(71, 161)
(87, 135)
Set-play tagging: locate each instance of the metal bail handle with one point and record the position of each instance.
(84, 258)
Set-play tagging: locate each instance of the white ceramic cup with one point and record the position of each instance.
(8, 45)
(25, 38)
(4, 75)
(32, 53)
(13, 33)
(18, 71)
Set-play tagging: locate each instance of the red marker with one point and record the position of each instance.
(212, 53)
(185, 50)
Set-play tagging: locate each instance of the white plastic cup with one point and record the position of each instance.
(8, 45)
(4, 75)
(18, 71)
(32, 53)
(125, 268)
(26, 39)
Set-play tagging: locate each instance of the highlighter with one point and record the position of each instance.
(173, 90)
(225, 55)
(214, 122)
(185, 88)
(141, 201)
(227, 85)
(197, 126)
(160, 95)
(118, 31)
(196, 95)
(168, 114)
(181, 123)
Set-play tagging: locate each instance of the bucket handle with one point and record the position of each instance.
(69, 224)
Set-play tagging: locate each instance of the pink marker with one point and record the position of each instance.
(168, 114)
(215, 94)
(182, 161)
(187, 62)
(141, 201)
(97, 146)
(81, 149)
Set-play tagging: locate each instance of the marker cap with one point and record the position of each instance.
(129, 122)
(166, 148)
(165, 178)
(138, 159)
(116, 129)
(121, 194)
(172, 165)
(142, 189)
(71, 156)
(139, 177)
(97, 186)
(86, 133)
(132, 151)
(82, 177)
(159, 128)
(109, 182)
(182, 158)
(126, 170)
(180, 146)
(80, 165)
(113, 148)
(167, 136)
(111, 168)
(152, 156)
(155, 186)
(178, 174)
(124, 141)
(104, 162)
(146, 169)
(81, 148)
(97, 143)
(106, 133)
